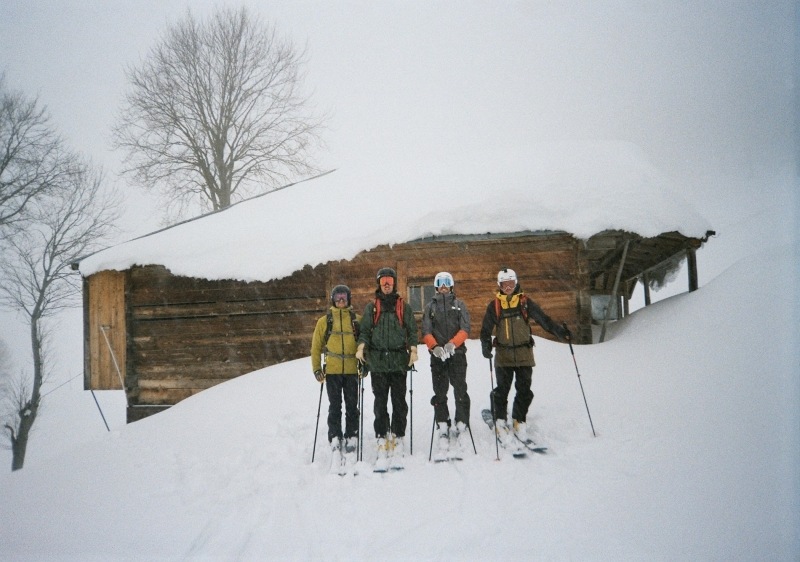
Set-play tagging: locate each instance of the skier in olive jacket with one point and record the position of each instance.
(514, 344)
(388, 344)
(340, 368)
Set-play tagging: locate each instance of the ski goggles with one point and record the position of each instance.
(340, 297)
(386, 279)
(443, 282)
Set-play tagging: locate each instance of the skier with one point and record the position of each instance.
(508, 316)
(388, 344)
(334, 341)
(445, 328)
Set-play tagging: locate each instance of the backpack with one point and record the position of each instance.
(523, 307)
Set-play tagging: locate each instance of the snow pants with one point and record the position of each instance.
(453, 372)
(338, 386)
(382, 384)
(523, 398)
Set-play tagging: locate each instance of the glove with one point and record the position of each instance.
(412, 356)
(439, 352)
(360, 352)
(361, 370)
(487, 350)
(319, 375)
(450, 349)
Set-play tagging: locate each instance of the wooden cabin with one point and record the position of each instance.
(164, 337)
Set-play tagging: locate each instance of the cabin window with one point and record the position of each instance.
(419, 295)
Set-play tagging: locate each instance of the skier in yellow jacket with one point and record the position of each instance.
(333, 360)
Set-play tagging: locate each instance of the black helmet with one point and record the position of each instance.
(340, 289)
(386, 272)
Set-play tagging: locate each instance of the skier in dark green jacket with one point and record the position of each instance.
(388, 344)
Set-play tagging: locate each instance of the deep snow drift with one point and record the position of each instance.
(694, 400)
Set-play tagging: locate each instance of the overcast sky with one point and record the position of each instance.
(706, 88)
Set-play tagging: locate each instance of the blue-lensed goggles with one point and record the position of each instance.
(443, 282)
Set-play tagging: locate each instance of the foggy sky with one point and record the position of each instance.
(703, 87)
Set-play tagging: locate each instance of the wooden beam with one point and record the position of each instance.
(691, 260)
(646, 285)
(614, 291)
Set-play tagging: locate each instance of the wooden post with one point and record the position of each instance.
(691, 260)
(614, 291)
(646, 285)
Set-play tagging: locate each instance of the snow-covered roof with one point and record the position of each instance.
(581, 188)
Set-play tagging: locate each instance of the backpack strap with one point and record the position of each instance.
(329, 327)
(376, 311)
(398, 309)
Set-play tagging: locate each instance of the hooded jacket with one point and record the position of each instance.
(445, 319)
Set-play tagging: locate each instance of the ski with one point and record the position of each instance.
(532, 445)
(382, 461)
(396, 456)
(455, 452)
(392, 458)
(518, 451)
(350, 458)
(337, 461)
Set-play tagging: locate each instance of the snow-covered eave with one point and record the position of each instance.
(337, 216)
(692, 241)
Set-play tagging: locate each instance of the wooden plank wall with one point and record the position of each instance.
(547, 266)
(190, 334)
(105, 312)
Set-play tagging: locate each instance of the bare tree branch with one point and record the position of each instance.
(215, 113)
(28, 153)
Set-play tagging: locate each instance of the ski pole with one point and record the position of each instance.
(433, 426)
(316, 429)
(469, 427)
(360, 373)
(494, 417)
(572, 351)
(411, 392)
(360, 455)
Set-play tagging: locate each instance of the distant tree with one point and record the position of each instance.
(36, 279)
(215, 113)
(28, 153)
(5, 370)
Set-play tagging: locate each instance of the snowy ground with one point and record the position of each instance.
(694, 400)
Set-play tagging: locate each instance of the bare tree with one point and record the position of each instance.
(37, 281)
(215, 113)
(28, 153)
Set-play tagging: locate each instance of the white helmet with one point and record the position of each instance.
(506, 274)
(443, 278)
